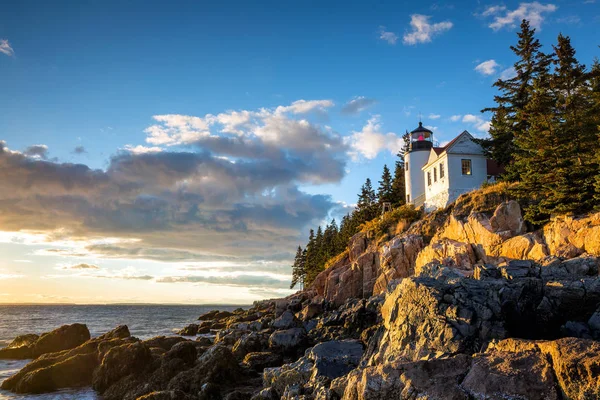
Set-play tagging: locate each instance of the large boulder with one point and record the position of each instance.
(398, 258)
(569, 236)
(63, 338)
(335, 358)
(72, 372)
(426, 317)
(67, 368)
(20, 348)
(258, 361)
(576, 364)
(507, 217)
(288, 341)
(119, 362)
(251, 342)
(500, 375)
(285, 321)
(190, 330)
(449, 253)
(217, 366)
(432, 379)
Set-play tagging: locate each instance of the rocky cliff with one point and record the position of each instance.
(467, 303)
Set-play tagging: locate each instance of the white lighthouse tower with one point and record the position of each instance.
(420, 142)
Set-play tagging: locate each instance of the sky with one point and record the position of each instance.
(179, 152)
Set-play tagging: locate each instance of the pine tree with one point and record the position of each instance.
(557, 154)
(571, 83)
(399, 182)
(298, 272)
(595, 116)
(385, 191)
(508, 121)
(311, 257)
(366, 207)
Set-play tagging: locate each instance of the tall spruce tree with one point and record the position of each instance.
(507, 121)
(595, 116)
(399, 182)
(385, 190)
(366, 208)
(557, 154)
(298, 269)
(312, 256)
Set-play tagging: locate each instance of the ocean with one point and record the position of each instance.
(144, 321)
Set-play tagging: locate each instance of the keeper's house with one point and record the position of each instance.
(436, 176)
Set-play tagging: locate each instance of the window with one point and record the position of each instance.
(428, 178)
(441, 170)
(408, 198)
(407, 165)
(466, 167)
(434, 174)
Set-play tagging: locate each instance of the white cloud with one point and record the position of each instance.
(305, 106)
(533, 12)
(357, 105)
(81, 266)
(422, 31)
(455, 118)
(177, 129)
(479, 123)
(139, 149)
(6, 48)
(508, 73)
(488, 67)
(434, 116)
(387, 36)
(370, 141)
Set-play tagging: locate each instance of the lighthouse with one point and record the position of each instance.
(420, 143)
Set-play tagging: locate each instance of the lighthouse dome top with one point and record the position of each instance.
(422, 129)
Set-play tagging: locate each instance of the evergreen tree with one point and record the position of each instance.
(595, 116)
(311, 257)
(366, 207)
(385, 190)
(557, 156)
(315, 256)
(298, 272)
(399, 182)
(508, 121)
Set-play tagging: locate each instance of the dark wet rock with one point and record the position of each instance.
(216, 365)
(208, 316)
(120, 332)
(185, 351)
(63, 338)
(164, 342)
(119, 362)
(285, 321)
(251, 342)
(288, 341)
(190, 330)
(20, 348)
(261, 360)
(72, 372)
(167, 395)
(336, 358)
(310, 311)
(204, 341)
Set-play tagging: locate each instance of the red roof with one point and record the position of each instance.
(438, 150)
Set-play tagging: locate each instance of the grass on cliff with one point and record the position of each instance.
(484, 200)
(391, 223)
